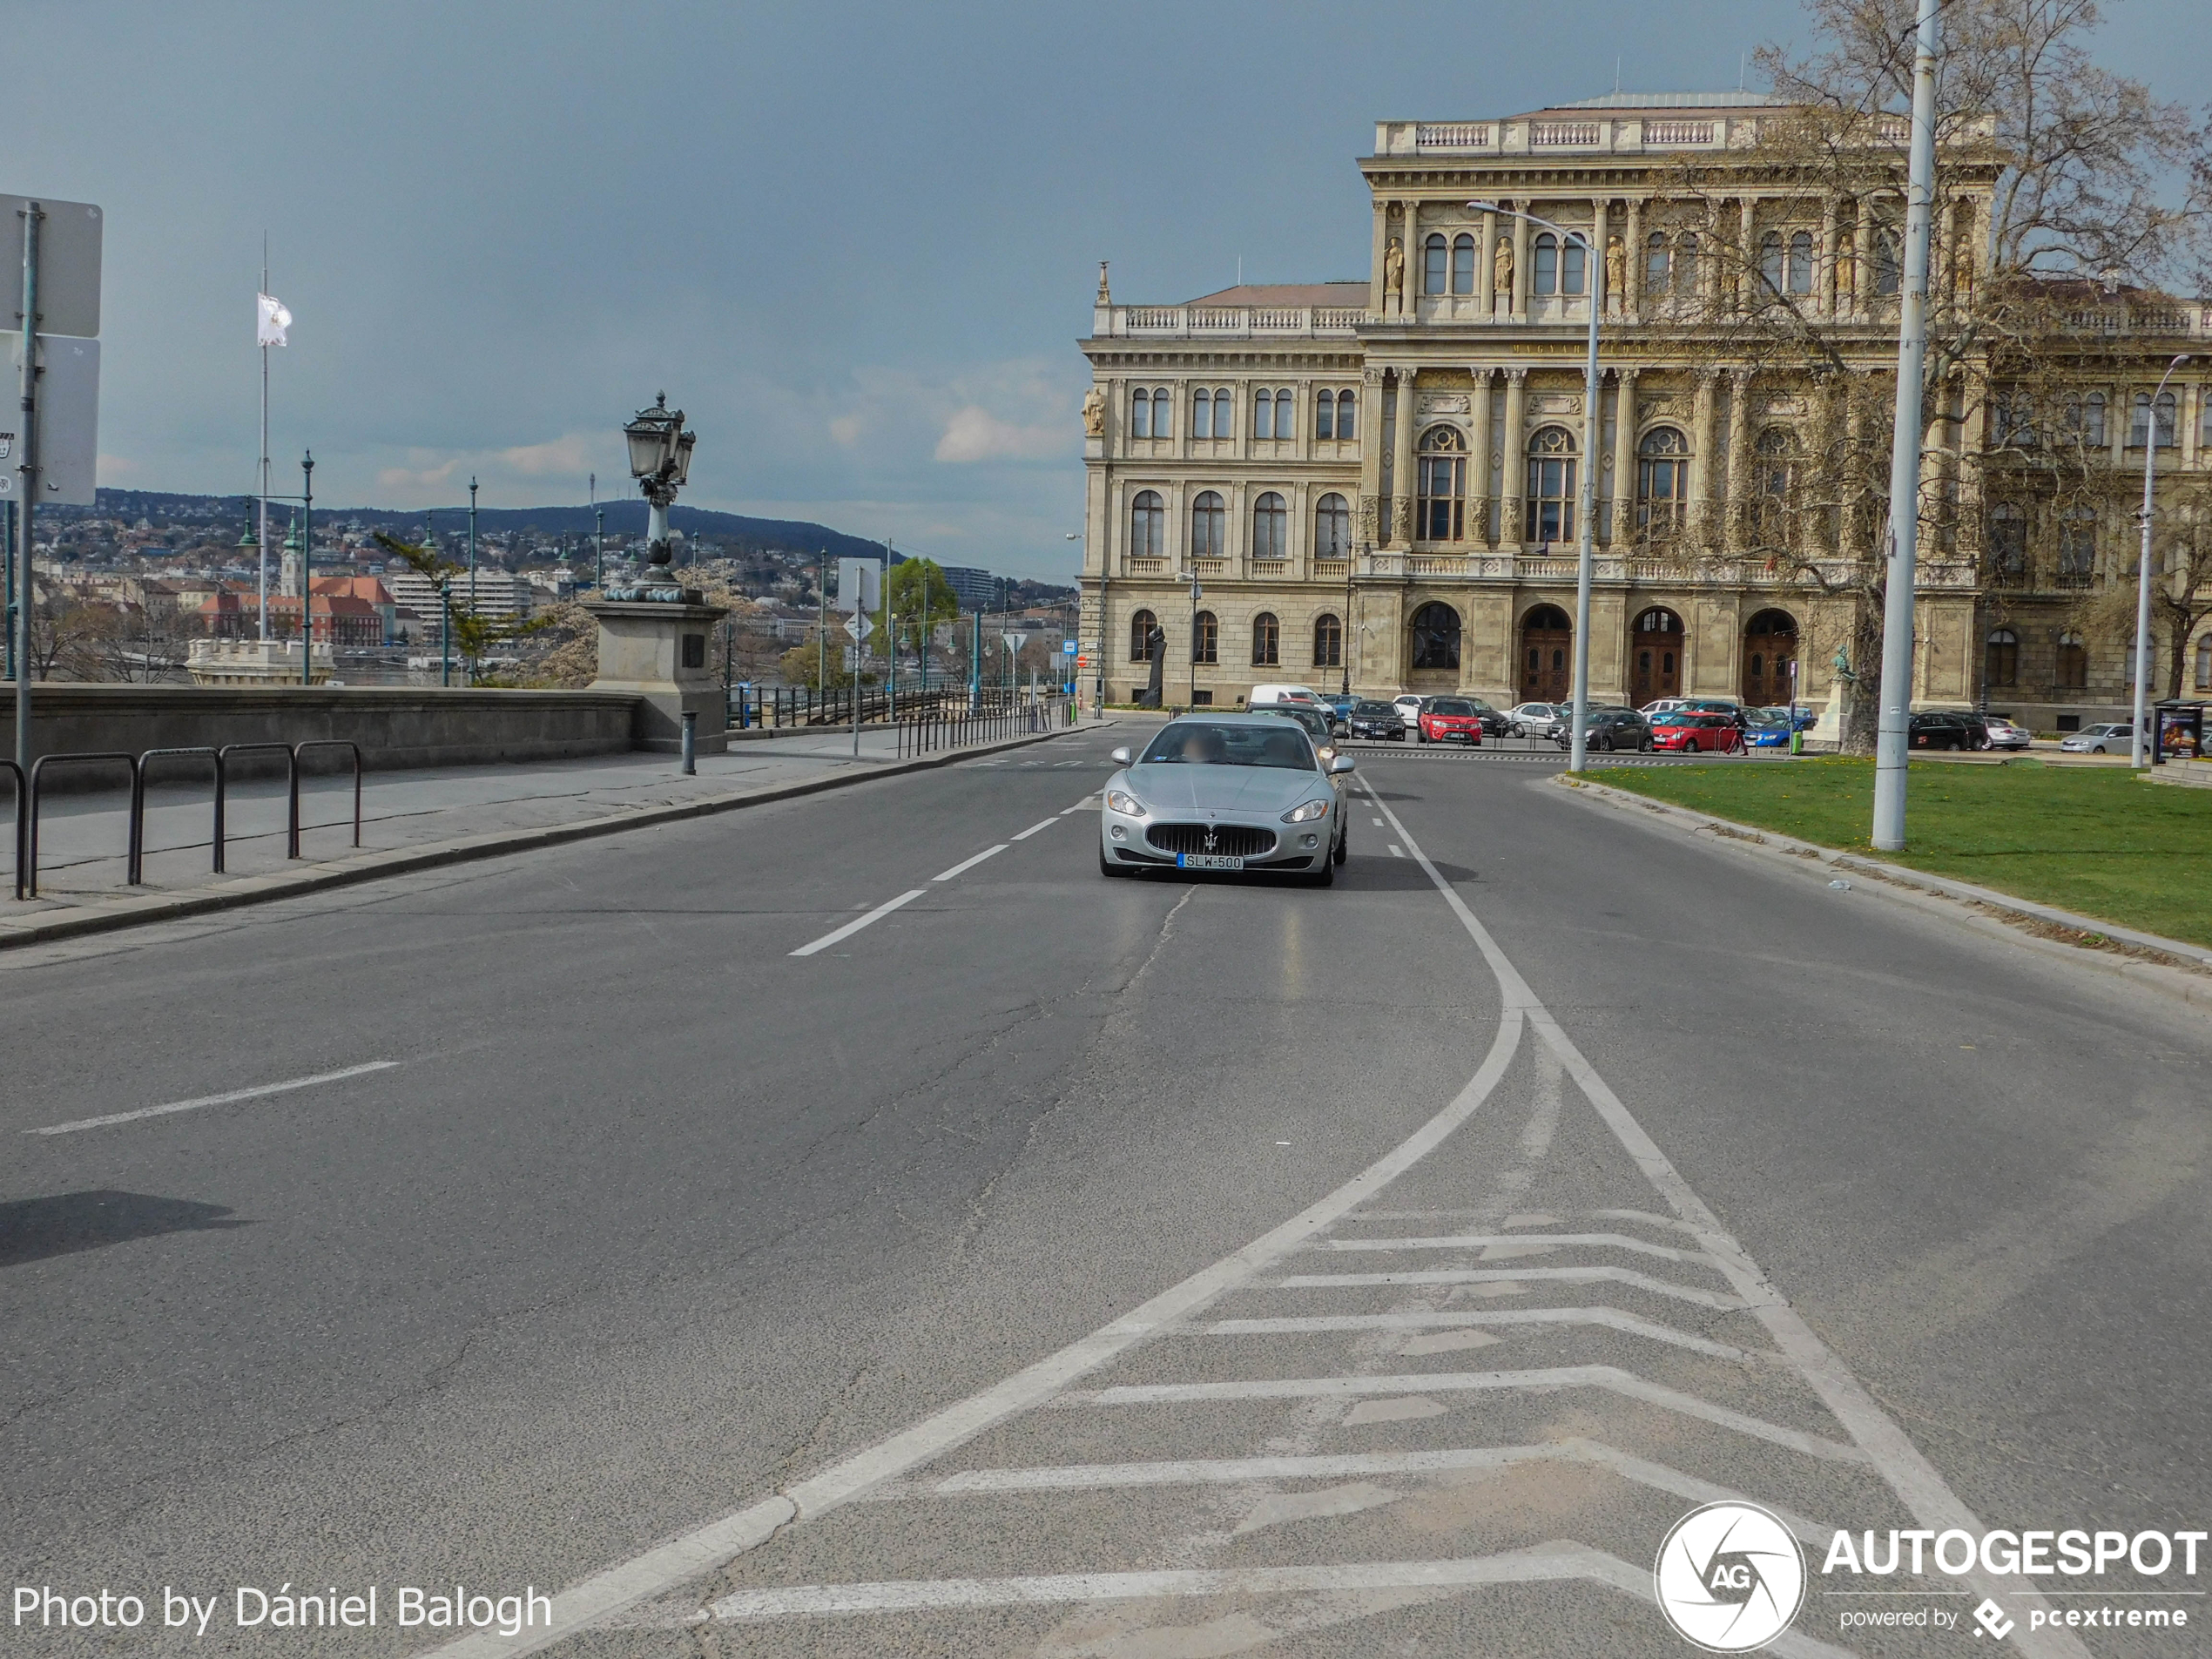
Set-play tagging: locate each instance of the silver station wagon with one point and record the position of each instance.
(1225, 791)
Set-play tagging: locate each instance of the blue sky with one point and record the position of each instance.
(854, 241)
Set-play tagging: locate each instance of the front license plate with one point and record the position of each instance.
(1207, 861)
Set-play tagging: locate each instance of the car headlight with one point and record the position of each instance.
(1127, 805)
(1307, 812)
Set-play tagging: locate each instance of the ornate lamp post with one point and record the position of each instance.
(660, 460)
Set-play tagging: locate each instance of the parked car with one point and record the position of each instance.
(1339, 704)
(1806, 718)
(1947, 729)
(1495, 724)
(1268, 696)
(1610, 727)
(1697, 731)
(1534, 719)
(1409, 709)
(1225, 791)
(2004, 734)
(2108, 737)
(1451, 719)
(1317, 722)
(1375, 720)
(1729, 706)
(1769, 729)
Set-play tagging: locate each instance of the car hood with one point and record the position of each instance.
(1222, 789)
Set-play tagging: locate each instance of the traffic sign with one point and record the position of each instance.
(69, 421)
(1013, 641)
(68, 263)
(1068, 647)
(859, 625)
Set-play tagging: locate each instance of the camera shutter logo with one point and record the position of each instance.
(1730, 1577)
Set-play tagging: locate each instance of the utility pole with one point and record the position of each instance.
(27, 470)
(599, 536)
(821, 624)
(307, 576)
(1892, 739)
(265, 452)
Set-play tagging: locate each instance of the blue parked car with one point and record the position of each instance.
(1340, 705)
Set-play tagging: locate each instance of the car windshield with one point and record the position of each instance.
(1312, 719)
(1189, 743)
(1451, 705)
(1372, 708)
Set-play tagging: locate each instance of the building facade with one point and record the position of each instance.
(1374, 485)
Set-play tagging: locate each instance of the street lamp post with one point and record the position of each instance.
(660, 460)
(1593, 264)
(1344, 638)
(2137, 754)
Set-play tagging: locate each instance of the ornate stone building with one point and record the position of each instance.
(1375, 483)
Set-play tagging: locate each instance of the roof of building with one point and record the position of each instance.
(1288, 294)
(1731, 100)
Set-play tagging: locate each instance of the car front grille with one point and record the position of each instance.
(1236, 840)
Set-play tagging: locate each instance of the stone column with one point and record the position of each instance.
(658, 652)
(1632, 301)
(1624, 459)
(2119, 414)
(1512, 530)
(1747, 261)
(1738, 496)
(1854, 533)
(1823, 280)
(1479, 482)
(1413, 258)
(1486, 261)
(1368, 526)
(1701, 461)
(1521, 264)
(1401, 465)
(1376, 303)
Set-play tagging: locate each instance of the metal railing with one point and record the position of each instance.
(298, 749)
(931, 732)
(37, 778)
(292, 788)
(21, 822)
(138, 797)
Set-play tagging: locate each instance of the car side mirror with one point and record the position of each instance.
(1120, 756)
(1342, 763)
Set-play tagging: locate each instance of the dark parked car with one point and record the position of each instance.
(1610, 727)
(1496, 722)
(1375, 720)
(1947, 729)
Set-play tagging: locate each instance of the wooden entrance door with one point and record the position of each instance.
(1655, 657)
(1547, 654)
(1770, 646)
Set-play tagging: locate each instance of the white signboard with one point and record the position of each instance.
(68, 263)
(69, 422)
(860, 584)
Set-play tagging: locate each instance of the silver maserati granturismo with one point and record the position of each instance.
(1225, 791)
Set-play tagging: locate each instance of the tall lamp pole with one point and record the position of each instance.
(1593, 264)
(307, 576)
(2138, 755)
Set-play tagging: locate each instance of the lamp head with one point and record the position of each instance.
(1482, 207)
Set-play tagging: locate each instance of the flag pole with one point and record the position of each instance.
(264, 532)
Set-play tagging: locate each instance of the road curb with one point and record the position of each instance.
(132, 911)
(2178, 968)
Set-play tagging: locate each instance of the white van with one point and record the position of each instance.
(1303, 696)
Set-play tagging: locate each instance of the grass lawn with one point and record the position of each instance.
(2090, 840)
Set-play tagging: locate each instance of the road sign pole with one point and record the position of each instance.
(27, 494)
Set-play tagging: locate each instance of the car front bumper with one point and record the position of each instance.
(1292, 850)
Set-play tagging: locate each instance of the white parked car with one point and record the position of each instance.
(1269, 695)
(2109, 737)
(2003, 734)
(1536, 719)
(1409, 710)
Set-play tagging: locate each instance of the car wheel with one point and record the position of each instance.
(1645, 747)
(1605, 743)
(1344, 846)
(1323, 877)
(1107, 867)
(1689, 747)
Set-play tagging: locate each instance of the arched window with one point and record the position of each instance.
(1439, 505)
(2007, 542)
(1209, 526)
(1657, 264)
(1771, 260)
(1201, 414)
(1271, 528)
(1658, 620)
(1225, 417)
(1347, 415)
(1436, 635)
(1887, 271)
(1328, 642)
(2078, 546)
(2204, 663)
(1267, 640)
(1325, 415)
(1801, 262)
(1205, 639)
(1433, 254)
(1572, 261)
(1285, 414)
(2204, 417)
(1263, 413)
(1142, 626)
(1331, 528)
(1140, 412)
(1463, 263)
(2091, 428)
(1551, 486)
(2001, 658)
(1686, 264)
(2140, 427)
(1148, 526)
(1663, 483)
(2073, 664)
(1775, 462)
(1546, 268)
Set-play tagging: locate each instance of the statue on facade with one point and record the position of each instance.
(1616, 272)
(1842, 665)
(1501, 273)
(1095, 413)
(1394, 268)
(1846, 272)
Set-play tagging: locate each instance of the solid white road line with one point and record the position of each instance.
(1611, 1377)
(722, 1540)
(254, 1093)
(1479, 1241)
(1612, 1318)
(1033, 828)
(1505, 1276)
(969, 864)
(852, 927)
(1902, 1464)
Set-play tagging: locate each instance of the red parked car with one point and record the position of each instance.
(1451, 719)
(1693, 733)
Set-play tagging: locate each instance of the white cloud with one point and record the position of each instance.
(974, 433)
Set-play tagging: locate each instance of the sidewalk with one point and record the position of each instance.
(409, 820)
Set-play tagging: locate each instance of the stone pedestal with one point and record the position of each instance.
(658, 652)
(256, 662)
(1829, 728)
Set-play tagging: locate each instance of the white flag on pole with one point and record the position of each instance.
(275, 319)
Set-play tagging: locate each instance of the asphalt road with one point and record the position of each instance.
(1056, 1266)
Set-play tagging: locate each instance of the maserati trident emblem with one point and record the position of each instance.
(1213, 838)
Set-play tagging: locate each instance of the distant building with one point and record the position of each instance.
(977, 589)
(491, 594)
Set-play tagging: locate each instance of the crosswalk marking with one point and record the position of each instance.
(1508, 1276)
